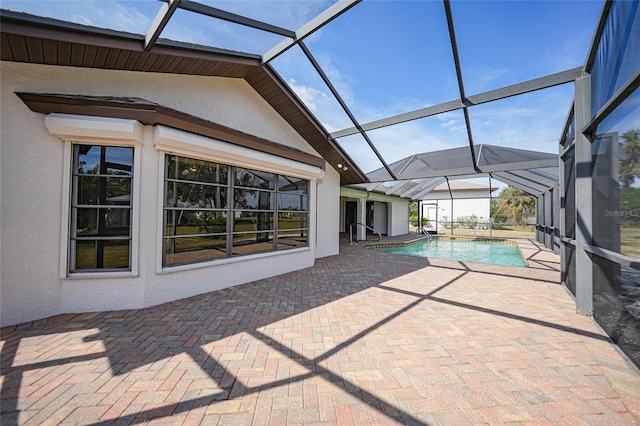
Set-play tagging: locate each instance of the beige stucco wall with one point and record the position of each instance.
(32, 175)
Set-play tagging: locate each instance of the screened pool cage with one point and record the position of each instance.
(586, 190)
(587, 197)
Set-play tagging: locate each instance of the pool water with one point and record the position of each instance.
(490, 253)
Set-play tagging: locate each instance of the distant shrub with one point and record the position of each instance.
(499, 219)
(467, 222)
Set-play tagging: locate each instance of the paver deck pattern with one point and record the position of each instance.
(363, 337)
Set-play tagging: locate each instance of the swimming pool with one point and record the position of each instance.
(477, 251)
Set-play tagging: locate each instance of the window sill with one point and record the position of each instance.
(230, 260)
(98, 275)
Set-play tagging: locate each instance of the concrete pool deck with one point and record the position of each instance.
(363, 337)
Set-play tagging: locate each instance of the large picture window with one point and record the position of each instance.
(101, 208)
(215, 211)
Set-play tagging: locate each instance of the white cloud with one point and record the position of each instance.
(283, 13)
(482, 78)
(322, 105)
(307, 94)
(81, 20)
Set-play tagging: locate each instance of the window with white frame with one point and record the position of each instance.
(214, 211)
(101, 208)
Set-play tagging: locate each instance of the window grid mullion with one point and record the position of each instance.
(236, 190)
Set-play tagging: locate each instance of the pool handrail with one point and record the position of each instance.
(422, 230)
(366, 227)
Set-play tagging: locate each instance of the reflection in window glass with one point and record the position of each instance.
(188, 169)
(95, 159)
(292, 221)
(254, 179)
(292, 239)
(193, 249)
(214, 211)
(293, 185)
(252, 242)
(195, 222)
(293, 202)
(117, 190)
(252, 221)
(101, 208)
(252, 199)
(97, 254)
(192, 195)
(102, 222)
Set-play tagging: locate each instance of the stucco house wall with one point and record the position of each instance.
(399, 218)
(380, 217)
(396, 215)
(466, 202)
(461, 207)
(33, 201)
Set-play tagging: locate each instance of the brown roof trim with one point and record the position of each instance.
(150, 113)
(26, 25)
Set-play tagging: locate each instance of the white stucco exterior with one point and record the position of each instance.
(35, 193)
(463, 207)
(468, 199)
(390, 214)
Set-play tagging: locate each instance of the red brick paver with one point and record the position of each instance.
(361, 338)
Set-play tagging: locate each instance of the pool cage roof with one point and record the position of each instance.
(297, 63)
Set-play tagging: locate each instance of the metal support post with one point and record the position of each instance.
(584, 205)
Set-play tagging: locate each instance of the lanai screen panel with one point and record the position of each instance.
(305, 82)
(388, 58)
(526, 121)
(429, 134)
(505, 42)
(204, 30)
(282, 13)
(489, 155)
(429, 164)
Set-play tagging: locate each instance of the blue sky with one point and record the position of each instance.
(388, 57)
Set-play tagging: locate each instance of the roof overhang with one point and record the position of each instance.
(30, 39)
(150, 113)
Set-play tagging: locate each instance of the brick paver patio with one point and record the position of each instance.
(361, 338)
